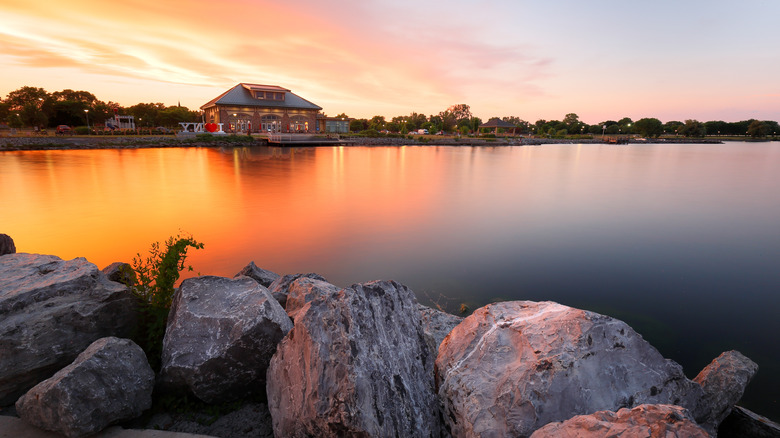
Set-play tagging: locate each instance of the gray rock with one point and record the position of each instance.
(6, 245)
(512, 367)
(643, 421)
(355, 364)
(303, 290)
(50, 311)
(251, 420)
(121, 273)
(279, 287)
(437, 325)
(220, 337)
(265, 278)
(109, 382)
(742, 423)
(723, 381)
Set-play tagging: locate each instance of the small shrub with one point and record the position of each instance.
(81, 130)
(156, 277)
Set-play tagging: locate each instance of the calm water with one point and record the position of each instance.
(680, 241)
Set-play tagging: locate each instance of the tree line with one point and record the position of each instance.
(458, 119)
(34, 107)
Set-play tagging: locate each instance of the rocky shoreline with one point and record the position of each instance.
(108, 142)
(298, 356)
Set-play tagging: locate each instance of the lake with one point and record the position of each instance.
(680, 241)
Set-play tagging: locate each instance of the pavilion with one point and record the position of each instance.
(255, 108)
(496, 123)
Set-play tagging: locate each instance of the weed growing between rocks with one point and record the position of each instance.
(156, 276)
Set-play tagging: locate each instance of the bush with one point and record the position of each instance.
(370, 133)
(81, 130)
(156, 277)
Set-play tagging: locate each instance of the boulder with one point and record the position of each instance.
(50, 311)
(279, 287)
(6, 245)
(512, 367)
(723, 381)
(743, 423)
(436, 325)
(643, 421)
(265, 278)
(220, 336)
(109, 382)
(305, 289)
(355, 364)
(121, 273)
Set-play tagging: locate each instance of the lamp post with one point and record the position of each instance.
(86, 112)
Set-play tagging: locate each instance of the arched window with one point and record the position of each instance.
(271, 123)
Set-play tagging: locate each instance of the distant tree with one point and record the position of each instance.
(673, 127)
(25, 96)
(693, 128)
(437, 123)
(377, 123)
(342, 116)
(5, 111)
(716, 127)
(74, 96)
(358, 125)
(571, 120)
(448, 120)
(649, 127)
(758, 129)
(460, 112)
(68, 112)
(171, 116)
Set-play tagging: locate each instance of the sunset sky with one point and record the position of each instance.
(604, 59)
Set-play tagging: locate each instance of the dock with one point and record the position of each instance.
(292, 140)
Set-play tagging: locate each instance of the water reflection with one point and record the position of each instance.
(680, 241)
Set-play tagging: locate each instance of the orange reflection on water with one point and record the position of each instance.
(277, 207)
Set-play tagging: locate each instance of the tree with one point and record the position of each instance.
(25, 96)
(673, 127)
(693, 128)
(5, 111)
(358, 125)
(460, 112)
(377, 123)
(74, 96)
(649, 127)
(448, 120)
(758, 129)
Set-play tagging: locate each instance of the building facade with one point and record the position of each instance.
(262, 108)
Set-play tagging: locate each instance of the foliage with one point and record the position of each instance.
(81, 130)
(649, 127)
(758, 129)
(370, 133)
(692, 128)
(156, 276)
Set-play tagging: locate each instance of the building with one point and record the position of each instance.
(333, 124)
(120, 122)
(262, 108)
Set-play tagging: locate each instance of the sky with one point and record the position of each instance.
(600, 59)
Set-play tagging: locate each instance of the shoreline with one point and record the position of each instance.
(80, 143)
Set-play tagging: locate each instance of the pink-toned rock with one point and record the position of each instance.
(643, 421)
(512, 367)
(723, 381)
(304, 290)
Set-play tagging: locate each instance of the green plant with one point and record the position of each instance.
(156, 277)
(81, 130)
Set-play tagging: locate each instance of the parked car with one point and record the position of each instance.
(422, 131)
(63, 129)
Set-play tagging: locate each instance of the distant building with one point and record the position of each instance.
(333, 124)
(120, 122)
(262, 108)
